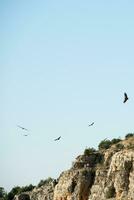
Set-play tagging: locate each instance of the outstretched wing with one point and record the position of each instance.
(125, 94)
(25, 129)
(57, 138)
(22, 128)
(91, 124)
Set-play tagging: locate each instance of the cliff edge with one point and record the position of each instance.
(95, 175)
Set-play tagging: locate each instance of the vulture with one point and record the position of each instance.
(125, 98)
(91, 124)
(57, 138)
(23, 128)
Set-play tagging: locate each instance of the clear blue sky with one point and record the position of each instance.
(63, 64)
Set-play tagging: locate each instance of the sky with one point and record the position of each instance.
(63, 65)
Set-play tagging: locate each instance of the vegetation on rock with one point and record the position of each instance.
(89, 151)
(129, 135)
(46, 181)
(85, 174)
(110, 193)
(106, 144)
(2, 193)
(17, 190)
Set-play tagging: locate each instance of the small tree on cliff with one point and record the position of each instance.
(129, 135)
(2, 193)
(13, 192)
(104, 144)
(89, 151)
(46, 181)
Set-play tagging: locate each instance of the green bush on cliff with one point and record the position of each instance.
(2, 193)
(18, 190)
(129, 135)
(115, 141)
(13, 192)
(104, 144)
(27, 188)
(89, 151)
(110, 193)
(46, 181)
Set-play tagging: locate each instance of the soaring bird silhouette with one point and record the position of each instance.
(125, 98)
(25, 135)
(91, 124)
(22, 128)
(57, 138)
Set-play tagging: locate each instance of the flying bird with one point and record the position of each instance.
(57, 138)
(125, 98)
(23, 128)
(91, 124)
(25, 135)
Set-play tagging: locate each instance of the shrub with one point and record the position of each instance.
(119, 146)
(110, 193)
(99, 158)
(13, 192)
(46, 181)
(18, 190)
(115, 141)
(129, 135)
(27, 188)
(104, 144)
(2, 192)
(89, 151)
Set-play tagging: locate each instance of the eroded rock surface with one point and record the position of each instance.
(43, 193)
(101, 175)
(115, 181)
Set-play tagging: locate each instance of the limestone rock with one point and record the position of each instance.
(115, 178)
(44, 192)
(74, 184)
(101, 175)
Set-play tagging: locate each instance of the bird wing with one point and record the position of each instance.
(57, 138)
(25, 129)
(20, 126)
(125, 94)
(91, 124)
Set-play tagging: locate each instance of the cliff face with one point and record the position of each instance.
(43, 193)
(116, 180)
(104, 175)
(74, 184)
(100, 175)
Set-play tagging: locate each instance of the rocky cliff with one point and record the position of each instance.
(98, 175)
